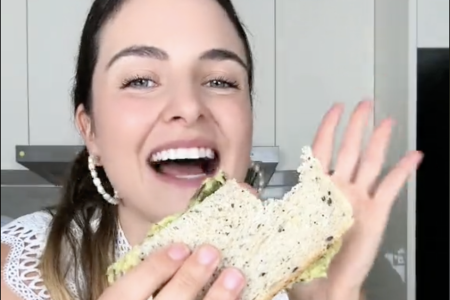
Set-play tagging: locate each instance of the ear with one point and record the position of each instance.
(85, 126)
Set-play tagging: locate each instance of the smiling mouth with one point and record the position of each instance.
(186, 163)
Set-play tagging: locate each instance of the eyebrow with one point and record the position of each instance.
(222, 55)
(160, 54)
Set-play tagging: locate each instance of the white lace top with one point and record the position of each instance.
(26, 237)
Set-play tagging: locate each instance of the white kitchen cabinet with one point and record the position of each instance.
(433, 23)
(395, 91)
(258, 17)
(54, 29)
(324, 54)
(14, 80)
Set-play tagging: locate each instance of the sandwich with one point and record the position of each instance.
(274, 243)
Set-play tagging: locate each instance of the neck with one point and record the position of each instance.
(134, 225)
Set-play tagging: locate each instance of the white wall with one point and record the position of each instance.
(433, 23)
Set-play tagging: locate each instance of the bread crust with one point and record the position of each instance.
(291, 279)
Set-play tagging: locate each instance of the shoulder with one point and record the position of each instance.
(23, 241)
(26, 235)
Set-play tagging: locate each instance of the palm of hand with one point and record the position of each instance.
(357, 173)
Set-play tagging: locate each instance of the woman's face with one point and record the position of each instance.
(171, 103)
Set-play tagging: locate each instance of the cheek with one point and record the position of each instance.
(236, 122)
(122, 126)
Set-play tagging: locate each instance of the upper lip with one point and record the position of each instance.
(194, 143)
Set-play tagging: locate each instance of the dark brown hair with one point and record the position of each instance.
(80, 202)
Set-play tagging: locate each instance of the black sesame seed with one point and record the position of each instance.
(329, 239)
(294, 269)
(262, 274)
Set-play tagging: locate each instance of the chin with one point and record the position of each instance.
(172, 201)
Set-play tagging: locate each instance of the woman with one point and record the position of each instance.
(162, 80)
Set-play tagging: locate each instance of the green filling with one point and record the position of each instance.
(320, 267)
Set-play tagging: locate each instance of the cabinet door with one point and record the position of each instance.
(54, 29)
(433, 23)
(258, 17)
(14, 80)
(324, 54)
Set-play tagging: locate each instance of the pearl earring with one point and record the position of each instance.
(114, 200)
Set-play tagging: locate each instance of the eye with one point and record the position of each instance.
(138, 83)
(220, 83)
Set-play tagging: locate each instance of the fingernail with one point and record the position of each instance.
(178, 252)
(207, 255)
(233, 280)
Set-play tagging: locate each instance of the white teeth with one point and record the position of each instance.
(183, 153)
(196, 176)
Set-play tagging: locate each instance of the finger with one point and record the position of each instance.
(155, 270)
(373, 158)
(390, 187)
(228, 286)
(349, 152)
(324, 140)
(192, 276)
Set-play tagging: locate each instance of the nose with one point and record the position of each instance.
(185, 106)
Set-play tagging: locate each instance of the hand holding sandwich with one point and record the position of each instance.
(357, 173)
(181, 273)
